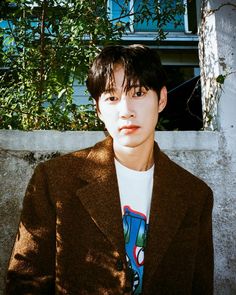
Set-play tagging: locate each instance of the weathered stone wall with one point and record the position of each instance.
(220, 42)
(206, 154)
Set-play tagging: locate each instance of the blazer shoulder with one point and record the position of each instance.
(75, 165)
(77, 157)
(65, 170)
(66, 160)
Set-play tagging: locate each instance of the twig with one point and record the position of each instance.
(210, 12)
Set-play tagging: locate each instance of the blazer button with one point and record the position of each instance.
(119, 265)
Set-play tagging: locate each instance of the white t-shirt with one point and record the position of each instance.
(135, 189)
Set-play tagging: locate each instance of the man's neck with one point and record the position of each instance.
(138, 158)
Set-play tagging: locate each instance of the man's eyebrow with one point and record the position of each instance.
(114, 90)
(135, 85)
(109, 90)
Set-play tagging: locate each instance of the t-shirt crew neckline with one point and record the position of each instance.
(132, 172)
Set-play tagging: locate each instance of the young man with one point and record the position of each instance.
(120, 217)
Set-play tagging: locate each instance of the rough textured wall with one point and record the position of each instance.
(224, 62)
(206, 154)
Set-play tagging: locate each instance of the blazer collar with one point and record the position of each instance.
(100, 195)
(168, 209)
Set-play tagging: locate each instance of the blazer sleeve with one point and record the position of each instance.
(204, 262)
(31, 266)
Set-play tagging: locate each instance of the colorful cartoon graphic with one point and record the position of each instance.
(135, 231)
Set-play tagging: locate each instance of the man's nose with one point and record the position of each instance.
(126, 107)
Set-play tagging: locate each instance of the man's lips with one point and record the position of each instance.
(127, 129)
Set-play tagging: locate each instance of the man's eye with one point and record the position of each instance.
(111, 99)
(138, 93)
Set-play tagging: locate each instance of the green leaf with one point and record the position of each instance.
(221, 79)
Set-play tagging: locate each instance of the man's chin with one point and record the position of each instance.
(128, 141)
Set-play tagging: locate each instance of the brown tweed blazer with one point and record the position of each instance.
(70, 238)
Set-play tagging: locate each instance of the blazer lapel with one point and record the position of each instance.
(167, 211)
(100, 195)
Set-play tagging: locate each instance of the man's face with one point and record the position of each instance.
(130, 117)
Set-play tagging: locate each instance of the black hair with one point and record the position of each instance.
(142, 66)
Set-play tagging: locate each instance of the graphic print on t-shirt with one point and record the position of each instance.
(135, 232)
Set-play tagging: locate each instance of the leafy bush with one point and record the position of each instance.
(46, 45)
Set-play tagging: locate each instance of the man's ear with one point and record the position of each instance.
(162, 99)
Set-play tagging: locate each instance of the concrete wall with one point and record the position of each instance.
(206, 154)
(224, 25)
(218, 57)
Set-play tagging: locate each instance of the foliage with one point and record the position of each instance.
(45, 45)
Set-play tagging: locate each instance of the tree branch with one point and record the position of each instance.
(211, 11)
